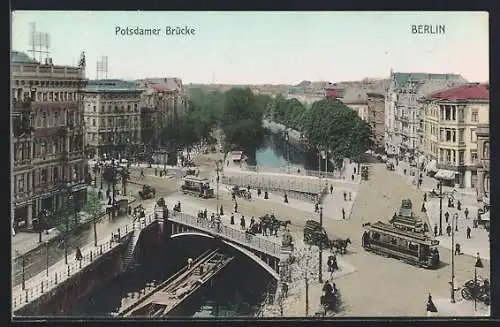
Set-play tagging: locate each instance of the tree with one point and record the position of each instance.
(332, 125)
(241, 119)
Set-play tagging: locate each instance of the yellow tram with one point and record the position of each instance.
(410, 246)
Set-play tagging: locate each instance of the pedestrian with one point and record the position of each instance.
(431, 308)
(423, 207)
(435, 230)
(404, 171)
(331, 189)
(448, 230)
(221, 210)
(266, 195)
(343, 214)
(235, 206)
(468, 232)
(355, 170)
(285, 289)
(352, 177)
(252, 222)
(259, 192)
(425, 197)
(420, 182)
(156, 171)
(286, 198)
(345, 196)
(350, 196)
(232, 220)
(190, 263)
(242, 222)
(316, 207)
(459, 205)
(142, 173)
(446, 216)
(78, 255)
(205, 213)
(129, 210)
(466, 212)
(457, 249)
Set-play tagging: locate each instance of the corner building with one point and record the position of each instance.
(47, 145)
(113, 119)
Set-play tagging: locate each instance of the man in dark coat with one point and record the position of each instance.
(242, 222)
(448, 230)
(431, 308)
(468, 232)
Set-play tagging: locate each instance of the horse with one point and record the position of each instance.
(340, 245)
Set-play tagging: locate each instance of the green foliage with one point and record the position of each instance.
(92, 205)
(66, 215)
(241, 119)
(332, 125)
(289, 112)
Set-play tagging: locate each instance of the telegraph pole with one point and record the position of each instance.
(441, 208)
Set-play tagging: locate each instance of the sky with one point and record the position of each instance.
(264, 47)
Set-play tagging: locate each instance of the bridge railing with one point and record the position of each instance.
(231, 233)
(293, 170)
(311, 186)
(61, 272)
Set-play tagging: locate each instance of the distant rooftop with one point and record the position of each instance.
(21, 58)
(470, 91)
(402, 78)
(111, 85)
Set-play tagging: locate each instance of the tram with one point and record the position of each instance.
(412, 247)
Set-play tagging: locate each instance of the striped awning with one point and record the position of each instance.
(445, 174)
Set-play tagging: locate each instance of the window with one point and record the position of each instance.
(95, 109)
(474, 115)
(56, 118)
(461, 115)
(486, 150)
(55, 174)
(473, 137)
(93, 122)
(448, 136)
(473, 156)
(20, 183)
(43, 176)
(394, 241)
(461, 133)
(461, 157)
(376, 236)
(448, 155)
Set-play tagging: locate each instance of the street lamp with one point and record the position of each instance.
(440, 186)
(320, 266)
(218, 169)
(287, 138)
(452, 283)
(70, 198)
(479, 264)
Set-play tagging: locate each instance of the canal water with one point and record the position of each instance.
(238, 291)
(275, 152)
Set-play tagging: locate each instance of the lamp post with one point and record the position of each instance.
(94, 221)
(440, 186)
(70, 198)
(287, 138)
(23, 275)
(452, 283)
(320, 265)
(479, 264)
(39, 226)
(218, 169)
(47, 258)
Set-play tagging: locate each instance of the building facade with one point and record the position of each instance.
(113, 119)
(159, 109)
(483, 156)
(376, 119)
(47, 139)
(402, 107)
(450, 122)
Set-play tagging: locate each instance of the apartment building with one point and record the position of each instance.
(376, 118)
(47, 139)
(483, 157)
(402, 107)
(113, 119)
(450, 122)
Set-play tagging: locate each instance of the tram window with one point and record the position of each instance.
(394, 241)
(376, 236)
(413, 247)
(403, 243)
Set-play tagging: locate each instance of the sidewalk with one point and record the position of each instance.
(460, 308)
(33, 286)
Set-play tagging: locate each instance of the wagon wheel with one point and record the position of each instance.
(466, 294)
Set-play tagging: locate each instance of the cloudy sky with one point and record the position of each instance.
(264, 47)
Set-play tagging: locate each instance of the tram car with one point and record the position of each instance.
(411, 247)
(197, 186)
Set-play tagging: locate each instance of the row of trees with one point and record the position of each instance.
(238, 112)
(328, 125)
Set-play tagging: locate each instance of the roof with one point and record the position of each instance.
(469, 91)
(173, 83)
(160, 87)
(111, 85)
(403, 78)
(21, 57)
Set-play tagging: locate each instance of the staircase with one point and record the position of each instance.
(128, 257)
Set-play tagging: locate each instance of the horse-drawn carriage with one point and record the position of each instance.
(331, 297)
(147, 192)
(389, 165)
(236, 191)
(315, 235)
(477, 289)
(268, 223)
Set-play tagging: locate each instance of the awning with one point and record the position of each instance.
(431, 166)
(445, 174)
(485, 216)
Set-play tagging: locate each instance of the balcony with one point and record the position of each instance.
(22, 164)
(44, 132)
(47, 105)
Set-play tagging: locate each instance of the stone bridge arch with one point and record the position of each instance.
(240, 249)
